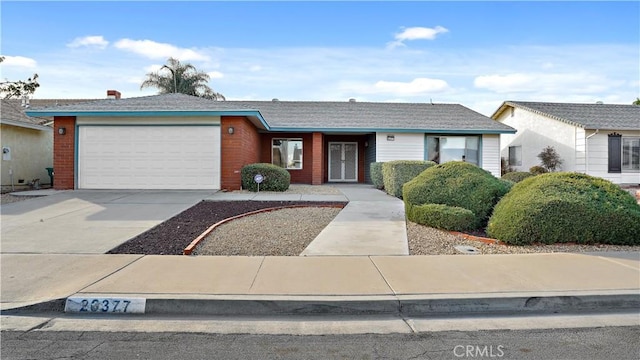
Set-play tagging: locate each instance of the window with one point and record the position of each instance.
(624, 153)
(515, 155)
(287, 153)
(630, 154)
(441, 149)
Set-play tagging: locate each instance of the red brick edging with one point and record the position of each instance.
(189, 249)
(478, 238)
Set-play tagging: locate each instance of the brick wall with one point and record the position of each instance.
(237, 150)
(317, 172)
(64, 153)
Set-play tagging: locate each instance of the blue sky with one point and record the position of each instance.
(474, 53)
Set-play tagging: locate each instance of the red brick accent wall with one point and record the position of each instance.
(237, 150)
(302, 176)
(351, 138)
(317, 171)
(64, 153)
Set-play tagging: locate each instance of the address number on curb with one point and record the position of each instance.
(89, 305)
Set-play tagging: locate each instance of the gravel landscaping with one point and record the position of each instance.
(175, 234)
(285, 232)
(8, 198)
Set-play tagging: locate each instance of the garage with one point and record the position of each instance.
(148, 157)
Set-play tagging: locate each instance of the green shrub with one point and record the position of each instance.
(275, 177)
(566, 207)
(396, 173)
(516, 176)
(441, 216)
(375, 171)
(537, 170)
(459, 184)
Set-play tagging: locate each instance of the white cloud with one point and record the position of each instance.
(89, 41)
(577, 82)
(215, 75)
(18, 61)
(156, 50)
(414, 87)
(152, 68)
(416, 33)
(255, 68)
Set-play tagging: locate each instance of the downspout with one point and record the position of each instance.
(586, 151)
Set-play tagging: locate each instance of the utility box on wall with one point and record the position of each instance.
(6, 153)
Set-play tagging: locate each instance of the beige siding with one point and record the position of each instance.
(581, 149)
(491, 154)
(31, 154)
(163, 120)
(403, 147)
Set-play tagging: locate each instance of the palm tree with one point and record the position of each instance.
(637, 101)
(181, 78)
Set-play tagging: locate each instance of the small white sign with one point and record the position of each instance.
(258, 178)
(92, 305)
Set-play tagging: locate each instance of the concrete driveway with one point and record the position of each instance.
(87, 222)
(51, 246)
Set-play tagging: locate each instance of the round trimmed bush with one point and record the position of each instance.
(441, 216)
(275, 177)
(566, 207)
(457, 183)
(537, 170)
(517, 176)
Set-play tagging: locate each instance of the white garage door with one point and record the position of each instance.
(149, 157)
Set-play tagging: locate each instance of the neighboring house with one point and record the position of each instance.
(597, 139)
(27, 147)
(176, 141)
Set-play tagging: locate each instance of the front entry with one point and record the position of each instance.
(343, 161)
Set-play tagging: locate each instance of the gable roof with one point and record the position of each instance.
(297, 115)
(588, 116)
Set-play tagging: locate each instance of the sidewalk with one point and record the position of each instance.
(416, 285)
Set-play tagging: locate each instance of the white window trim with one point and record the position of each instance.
(622, 168)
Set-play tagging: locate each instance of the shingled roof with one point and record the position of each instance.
(12, 112)
(588, 116)
(298, 115)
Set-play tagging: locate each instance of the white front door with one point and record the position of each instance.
(343, 161)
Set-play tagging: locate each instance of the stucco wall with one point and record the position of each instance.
(535, 132)
(31, 154)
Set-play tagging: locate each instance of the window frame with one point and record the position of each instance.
(518, 159)
(438, 157)
(286, 167)
(630, 168)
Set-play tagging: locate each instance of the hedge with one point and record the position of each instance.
(458, 184)
(566, 208)
(516, 176)
(396, 173)
(275, 177)
(441, 216)
(375, 171)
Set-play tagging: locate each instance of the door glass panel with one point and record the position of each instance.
(335, 162)
(350, 161)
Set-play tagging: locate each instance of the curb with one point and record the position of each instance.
(189, 249)
(401, 305)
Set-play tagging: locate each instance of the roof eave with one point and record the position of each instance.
(25, 125)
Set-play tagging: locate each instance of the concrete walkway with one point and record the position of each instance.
(373, 223)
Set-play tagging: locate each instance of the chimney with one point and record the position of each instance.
(113, 94)
(352, 100)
